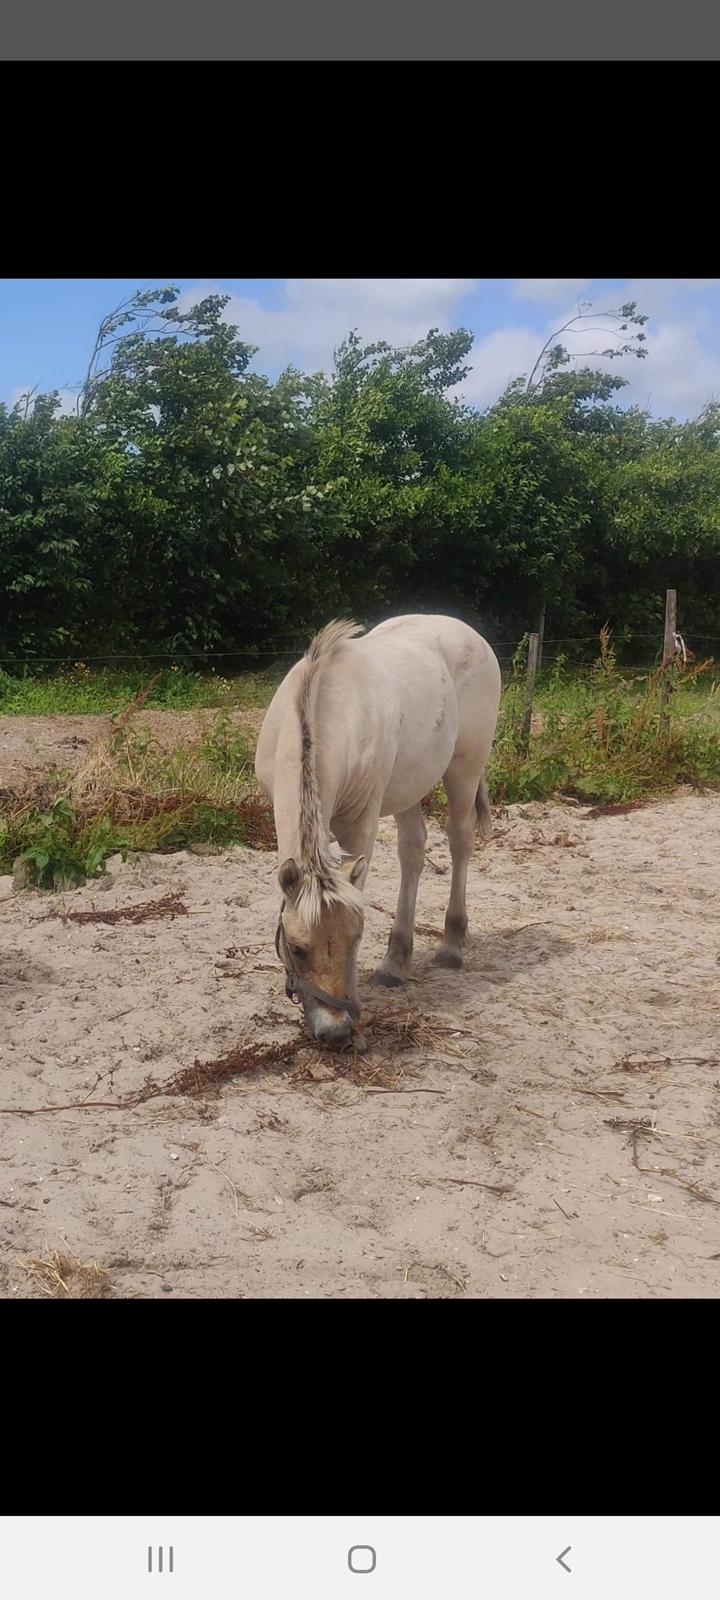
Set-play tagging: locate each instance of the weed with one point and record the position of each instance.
(226, 749)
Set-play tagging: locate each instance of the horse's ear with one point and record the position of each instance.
(354, 869)
(289, 876)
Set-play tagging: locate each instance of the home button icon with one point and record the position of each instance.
(362, 1558)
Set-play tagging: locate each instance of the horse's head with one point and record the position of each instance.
(318, 934)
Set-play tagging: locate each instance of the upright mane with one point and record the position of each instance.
(322, 883)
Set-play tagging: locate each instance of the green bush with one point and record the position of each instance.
(598, 737)
(59, 850)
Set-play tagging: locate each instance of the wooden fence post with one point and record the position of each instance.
(532, 666)
(668, 656)
(541, 632)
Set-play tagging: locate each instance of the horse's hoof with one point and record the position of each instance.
(360, 1044)
(448, 958)
(387, 979)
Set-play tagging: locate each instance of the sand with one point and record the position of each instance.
(590, 993)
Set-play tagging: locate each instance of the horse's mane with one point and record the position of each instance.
(322, 883)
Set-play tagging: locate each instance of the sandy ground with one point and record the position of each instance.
(30, 745)
(590, 993)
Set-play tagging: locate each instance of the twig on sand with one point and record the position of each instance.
(224, 1175)
(476, 1183)
(645, 1127)
(599, 1094)
(615, 809)
(637, 1127)
(692, 1188)
(410, 1090)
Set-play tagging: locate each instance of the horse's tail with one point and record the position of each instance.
(326, 641)
(482, 806)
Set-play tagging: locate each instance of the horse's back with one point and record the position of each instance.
(462, 647)
(455, 647)
(440, 683)
(428, 691)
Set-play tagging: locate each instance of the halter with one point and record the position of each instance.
(302, 987)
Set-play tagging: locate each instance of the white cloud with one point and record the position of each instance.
(378, 294)
(495, 360)
(319, 313)
(679, 375)
(547, 290)
(656, 293)
(659, 293)
(68, 402)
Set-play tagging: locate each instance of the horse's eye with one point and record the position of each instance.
(298, 952)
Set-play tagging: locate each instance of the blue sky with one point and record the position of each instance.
(47, 325)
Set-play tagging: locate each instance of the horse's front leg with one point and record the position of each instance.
(412, 834)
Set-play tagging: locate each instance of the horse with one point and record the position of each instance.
(363, 727)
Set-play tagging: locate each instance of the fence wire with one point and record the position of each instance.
(505, 650)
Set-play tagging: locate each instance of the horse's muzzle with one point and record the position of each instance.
(329, 1027)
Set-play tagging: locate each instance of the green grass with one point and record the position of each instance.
(78, 690)
(596, 734)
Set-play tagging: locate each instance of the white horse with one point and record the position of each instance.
(359, 729)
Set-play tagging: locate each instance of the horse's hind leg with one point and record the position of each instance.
(462, 789)
(412, 834)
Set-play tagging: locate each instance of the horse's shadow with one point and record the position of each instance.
(503, 954)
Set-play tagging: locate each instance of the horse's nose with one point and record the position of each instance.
(331, 1027)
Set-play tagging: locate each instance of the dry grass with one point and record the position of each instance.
(390, 1033)
(64, 1277)
(202, 1079)
(408, 1030)
(207, 1078)
(120, 723)
(169, 906)
(364, 1071)
(133, 781)
(432, 1275)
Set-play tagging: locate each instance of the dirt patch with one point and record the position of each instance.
(545, 1123)
(29, 745)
